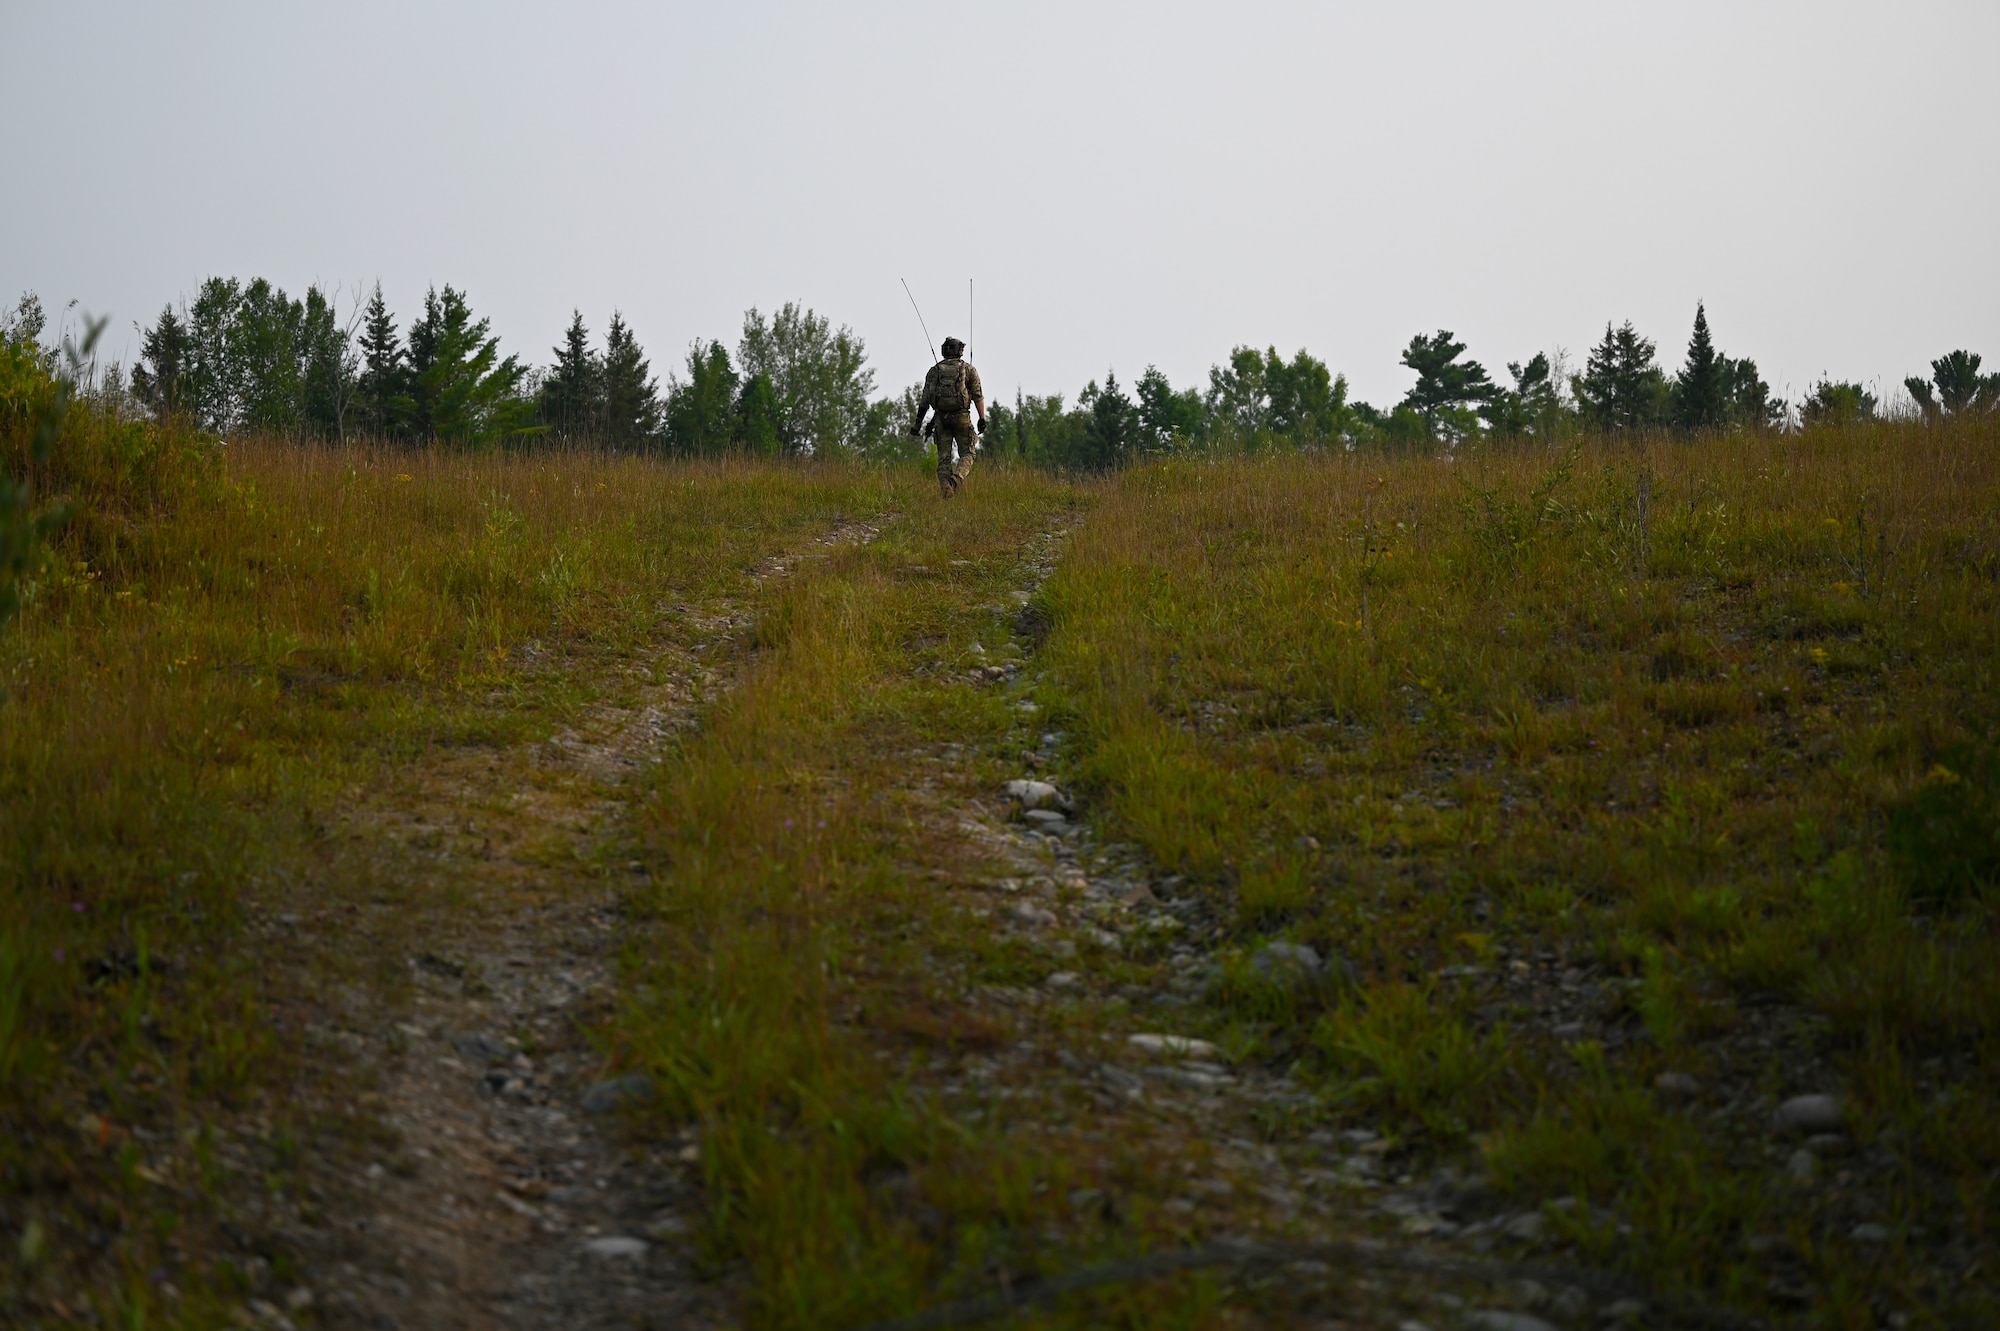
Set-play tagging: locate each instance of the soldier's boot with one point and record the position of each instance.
(964, 468)
(947, 482)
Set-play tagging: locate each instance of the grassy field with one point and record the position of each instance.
(1677, 760)
(226, 643)
(1626, 792)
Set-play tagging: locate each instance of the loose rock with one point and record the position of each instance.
(482, 1049)
(1677, 1086)
(1803, 1166)
(1180, 1046)
(616, 1245)
(1036, 794)
(1809, 1114)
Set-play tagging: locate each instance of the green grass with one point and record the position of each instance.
(220, 647)
(1464, 725)
(1739, 754)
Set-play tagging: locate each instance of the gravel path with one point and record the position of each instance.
(496, 1189)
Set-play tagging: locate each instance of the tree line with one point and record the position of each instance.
(245, 356)
(1260, 399)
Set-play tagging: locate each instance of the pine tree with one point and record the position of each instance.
(327, 367)
(1621, 389)
(1445, 385)
(383, 373)
(1700, 393)
(631, 400)
(569, 394)
(463, 391)
(164, 356)
(412, 407)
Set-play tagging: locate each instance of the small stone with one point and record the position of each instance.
(1869, 1233)
(1287, 959)
(1086, 1199)
(616, 1245)
(1047, 820)
(1803, 1166)
(1829, 1143)
(1307, 843)
(1496, 1319)
(482, 1049)
(1180, 1046)
(1677, 1086)
(666, 1227)
(605, 1096)
(1063, 980)
(1529, 1226)
(1035, 794)
(1809, 1114)
(1624, 1310)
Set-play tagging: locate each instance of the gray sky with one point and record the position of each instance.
(1128, 183)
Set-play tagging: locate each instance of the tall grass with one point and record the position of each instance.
(220, 641)
(1685, 710)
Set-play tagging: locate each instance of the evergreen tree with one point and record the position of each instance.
(412, 406)
(328, 368)
(464, 392)
(570, 393)
(759, 417)
(701, 413)
(1112, 435)
(1621, 389)
(1957, 387)
(631, 401)
(164, 356)
(1446, 386)
(1700, 401)
(383, 372)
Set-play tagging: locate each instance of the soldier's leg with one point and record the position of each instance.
(947, 478)
(967, 438)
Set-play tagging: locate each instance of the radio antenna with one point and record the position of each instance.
(920, 319)
(968, 318)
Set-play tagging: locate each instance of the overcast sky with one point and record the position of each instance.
(1127, 183)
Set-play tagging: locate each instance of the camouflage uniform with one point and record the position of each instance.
(952, 382)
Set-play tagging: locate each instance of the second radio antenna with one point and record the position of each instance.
(920, 319)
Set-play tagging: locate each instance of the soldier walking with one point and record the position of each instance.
(952, 389)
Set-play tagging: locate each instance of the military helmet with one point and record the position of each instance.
(952, 347)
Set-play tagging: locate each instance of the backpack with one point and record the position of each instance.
(949, 395)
